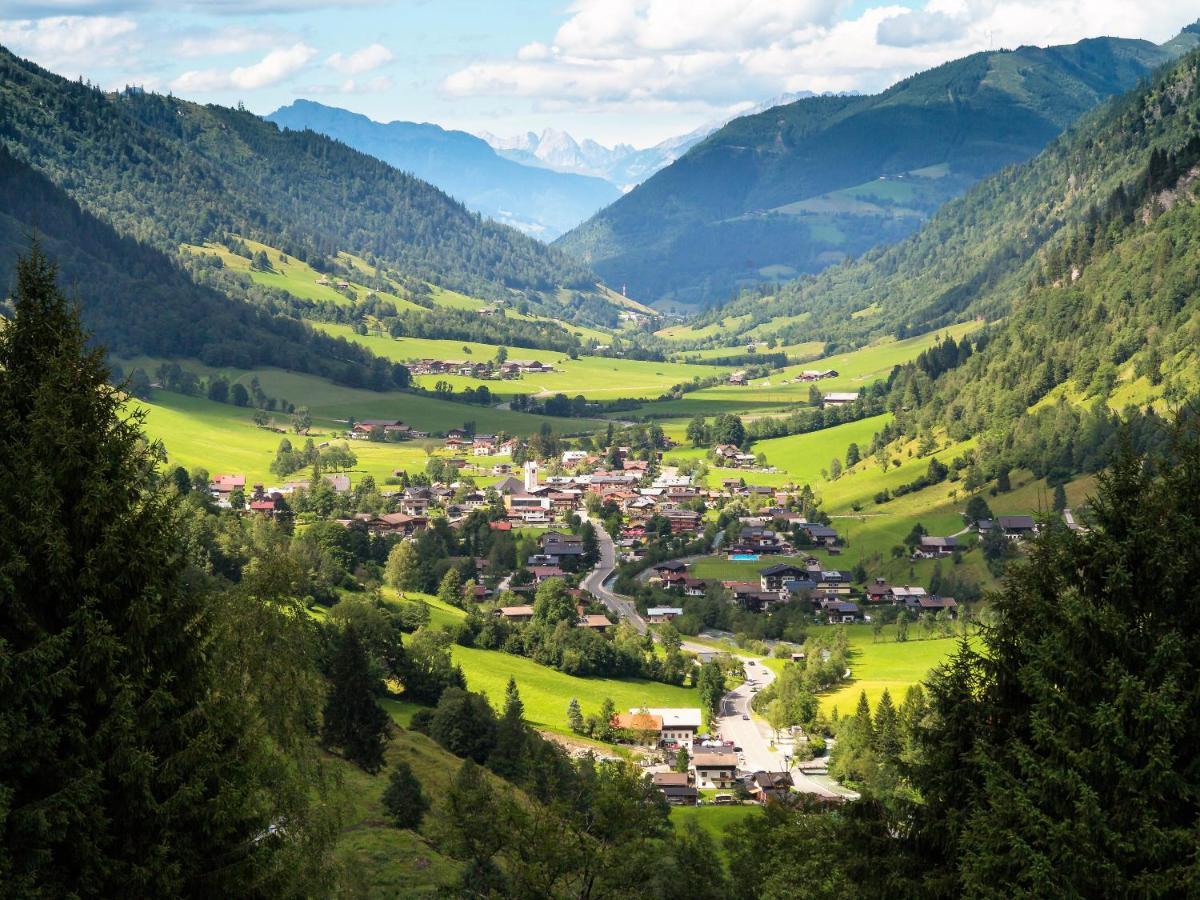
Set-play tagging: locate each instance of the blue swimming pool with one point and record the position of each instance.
(746, 557)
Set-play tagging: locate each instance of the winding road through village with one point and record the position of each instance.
(735, 720)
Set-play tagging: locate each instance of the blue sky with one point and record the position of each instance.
(633, 71)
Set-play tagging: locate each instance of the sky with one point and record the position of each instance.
(617, 71)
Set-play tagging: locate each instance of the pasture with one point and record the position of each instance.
(595, 377)
(888, 664)
(856, 369)
(221, 437)
(546, 692)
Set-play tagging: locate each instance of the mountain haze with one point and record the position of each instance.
(801, 186)
(538, 201)
(623, 164)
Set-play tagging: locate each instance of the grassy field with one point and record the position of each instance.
(545, 691)
(293, 276)
(885, 665)
(856, 370)
(223, 438)
(713, 819)
(594, 377)
(802, 351)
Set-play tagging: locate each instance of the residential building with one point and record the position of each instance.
(660, 615)
(677, 787)
(678, 725)
(715, 768)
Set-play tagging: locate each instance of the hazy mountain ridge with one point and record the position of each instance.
(623, 164)
(537, 200)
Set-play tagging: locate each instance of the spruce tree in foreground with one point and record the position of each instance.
(353, 720)
(127, 768)
(404, 799)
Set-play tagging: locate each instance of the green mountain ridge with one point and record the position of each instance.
(168, 172)
(135, 299)
(731, 212)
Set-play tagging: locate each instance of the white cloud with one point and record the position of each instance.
(367, 59)
(59, 42)
(664, 53)
(271, 69)
(223, 41)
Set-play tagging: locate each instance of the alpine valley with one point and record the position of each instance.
(801, 507)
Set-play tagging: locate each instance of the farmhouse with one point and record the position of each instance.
(816, 374)
(931, 547)
(715, 768)
(364, 428)
(821, 534)
(738, 377)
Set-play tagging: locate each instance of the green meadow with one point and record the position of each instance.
(546, 692)
(293, 276)
(223, 438)
(594, 377)
(713, 819)
(856, 370)
(395, 862)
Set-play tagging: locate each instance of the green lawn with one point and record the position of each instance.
(545, 691)
(713, 819)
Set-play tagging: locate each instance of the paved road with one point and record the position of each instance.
(752, 735)
(594, 583)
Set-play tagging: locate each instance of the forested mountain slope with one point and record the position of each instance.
(801, 186)
(976, 256)
(1110, 311)
(135, 300)
(169, 172)
(538, 201)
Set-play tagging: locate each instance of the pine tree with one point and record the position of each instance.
(353, 720)
(575, 716)
(508, 755)
(887, 728)
(1060, 498)
(404, 799)
(128, 766)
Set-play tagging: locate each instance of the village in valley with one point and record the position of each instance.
(652, 553)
